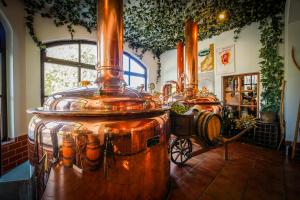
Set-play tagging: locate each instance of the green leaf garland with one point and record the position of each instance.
(156, 25)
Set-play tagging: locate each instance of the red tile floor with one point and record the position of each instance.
(250, 173)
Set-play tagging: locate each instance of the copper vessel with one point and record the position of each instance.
(202, 98)
(180, 66)
(191, 54)
(119, 133)
(190, 94)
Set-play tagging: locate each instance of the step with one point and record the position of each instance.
(17, 183)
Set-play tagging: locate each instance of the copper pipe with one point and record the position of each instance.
(180, 65)
(110, 45)
(191, 51)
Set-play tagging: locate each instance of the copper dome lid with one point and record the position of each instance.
(110, 96)
(87, 101)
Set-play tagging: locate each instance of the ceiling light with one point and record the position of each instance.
(223, 16)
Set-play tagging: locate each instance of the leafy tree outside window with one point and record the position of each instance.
(66, 63)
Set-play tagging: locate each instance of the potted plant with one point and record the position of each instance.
(246, 122)
(271, 67)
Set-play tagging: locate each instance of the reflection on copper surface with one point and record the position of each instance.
(180, 66)
(118, 134)
(126, 164)
(110, 45)
(144, 180)
(132, 153)
(191, 53)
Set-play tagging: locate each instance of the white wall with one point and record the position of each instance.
(246, 54)
(25, 60)
(292, 74)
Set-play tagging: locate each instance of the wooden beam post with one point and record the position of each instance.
(296, 133)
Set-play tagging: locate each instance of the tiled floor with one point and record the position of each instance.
(250, 173)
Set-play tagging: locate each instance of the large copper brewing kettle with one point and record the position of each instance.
(117, 133)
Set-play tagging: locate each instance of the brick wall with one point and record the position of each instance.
(14, 152)
(32, 156)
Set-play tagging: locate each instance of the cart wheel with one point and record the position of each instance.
(180, 150)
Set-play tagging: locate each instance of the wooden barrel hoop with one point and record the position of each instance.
(209, 127)
(68, 151)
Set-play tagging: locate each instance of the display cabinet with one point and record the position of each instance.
(241, 93)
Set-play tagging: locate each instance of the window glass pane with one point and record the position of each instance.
(254, 79)
(59, 78)
(247, 87)
(88, 75)
(126, 79)
(135, 67)
(247, 79)
(125, 63)
(89, 54)
(136, 81)
(66, 52)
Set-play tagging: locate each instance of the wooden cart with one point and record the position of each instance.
(185, 128)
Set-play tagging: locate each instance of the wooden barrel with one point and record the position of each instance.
(93, 152)
(208, 126)
(68, 151)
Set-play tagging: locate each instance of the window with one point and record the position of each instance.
(66, 63)
(135, 72)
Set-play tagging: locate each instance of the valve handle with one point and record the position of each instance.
(108, 150)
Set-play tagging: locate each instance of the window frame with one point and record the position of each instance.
(130, 73)
(79, 65)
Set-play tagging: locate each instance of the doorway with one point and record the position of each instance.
(3, 94)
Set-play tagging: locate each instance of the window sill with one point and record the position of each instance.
(9, 141)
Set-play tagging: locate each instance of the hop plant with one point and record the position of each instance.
(246, 121)
(179, 108)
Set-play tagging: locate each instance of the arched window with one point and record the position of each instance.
(135, 73)
(65, 63)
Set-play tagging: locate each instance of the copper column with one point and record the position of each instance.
(180, 65)
(110, 45)
(191, 51)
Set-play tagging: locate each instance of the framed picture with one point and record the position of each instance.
(207, 80)
(225, 58)
(206, 59)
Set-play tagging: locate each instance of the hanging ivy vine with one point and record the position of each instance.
(155, 25)
(272, 64)
(158, 74)
(67, 13)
